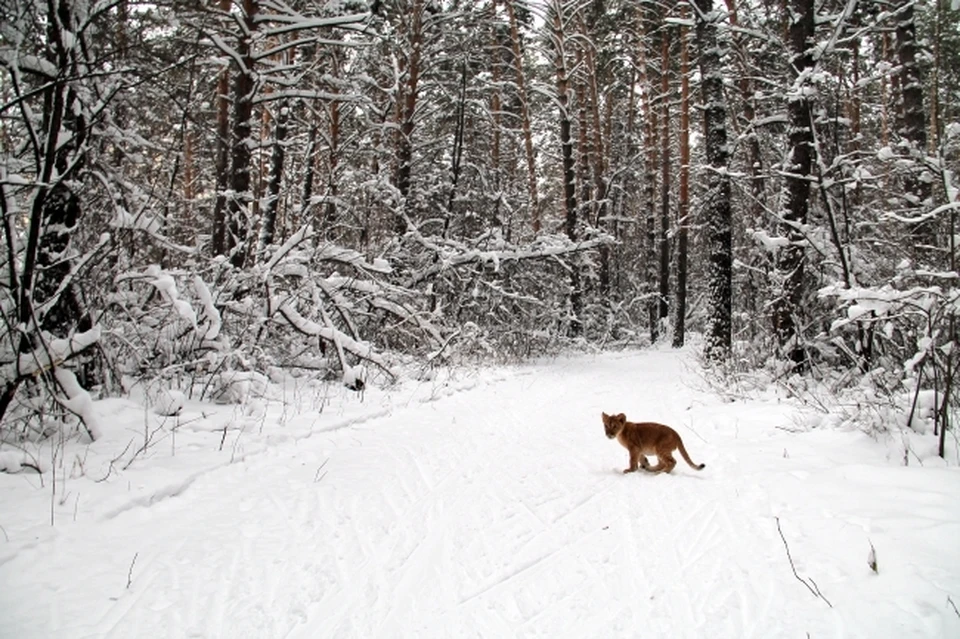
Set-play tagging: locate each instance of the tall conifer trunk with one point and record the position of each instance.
(795, 198)
(717, 210)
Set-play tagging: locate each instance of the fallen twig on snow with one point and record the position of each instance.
(814, 589)
(130, 571)
(317, 476)
(224, 438)
(950, 601)
(872, 558)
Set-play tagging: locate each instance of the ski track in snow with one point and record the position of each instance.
(500, 511)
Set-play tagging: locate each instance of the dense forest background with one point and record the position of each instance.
(208, 192)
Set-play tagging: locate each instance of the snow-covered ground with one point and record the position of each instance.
(485, 505)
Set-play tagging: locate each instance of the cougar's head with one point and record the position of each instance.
(613, 424)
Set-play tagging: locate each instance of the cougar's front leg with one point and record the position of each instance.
(634, 461)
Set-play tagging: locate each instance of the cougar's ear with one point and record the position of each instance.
(622, 417)
(604, 416)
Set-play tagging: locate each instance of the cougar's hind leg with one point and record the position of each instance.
(659, 468)
(668, 463)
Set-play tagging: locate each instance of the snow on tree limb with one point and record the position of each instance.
(544, 247)
(210, 312)
(296, 22)
(375, 298)
(331, 253)
(376, 295)
(326, 253)
(79, 402)
(50, 355)
(167, 287)
(15, 59)
(329, 333)
(303, 233)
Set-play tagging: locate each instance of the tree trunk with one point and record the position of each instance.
(757, 206)
(269, 222)
(239, 210)
(222, 167)
(566, 151)
(408, 110)
(885, 90)
(61, 210)
(309, 174)
(913, 133)
(583, 149)
(189, 168)
(333, 163)
(599, 166)
(717, 210)
(649, 211)
(496, 110)
(796, 192)
(683, 199)
(664, 238)
(524, 118)
(457, 153)
(936, 69)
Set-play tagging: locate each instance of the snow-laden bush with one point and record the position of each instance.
(323, 308)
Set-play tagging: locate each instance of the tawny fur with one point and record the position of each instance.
(647, 438)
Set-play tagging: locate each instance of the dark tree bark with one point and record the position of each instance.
(796, 193)
(745, 84)
(239, 210)
(524, 118)
(649, 210)
(888, 87)
(717, 210)
(665, 183)
(496, 111)
(599, 165)
(583, 142)
(913, 133)
(456, 162)
(222, 167)
(566, 150)
(269, 222)
(683, 199)
(61, 209)
(330, 212)
(309, 173)
(913, 117)
(407, 110)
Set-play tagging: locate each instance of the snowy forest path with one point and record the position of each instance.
(499, 511)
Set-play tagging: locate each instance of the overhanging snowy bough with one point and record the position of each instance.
(342, 300)
(498, 297)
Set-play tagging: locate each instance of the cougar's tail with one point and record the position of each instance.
(686, 457)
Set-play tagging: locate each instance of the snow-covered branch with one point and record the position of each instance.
(546, 246)
(49, 355)
(362, 350)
